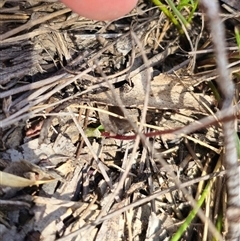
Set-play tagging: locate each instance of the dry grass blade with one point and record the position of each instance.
(142, 84)
(32, 23)
(99, 163)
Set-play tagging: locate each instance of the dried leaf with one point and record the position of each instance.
(114, 124)
(10, 180)
(153, 226)
(167, 92)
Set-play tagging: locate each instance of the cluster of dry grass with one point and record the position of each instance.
(62, 77)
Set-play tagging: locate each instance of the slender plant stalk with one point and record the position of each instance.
(227, 89)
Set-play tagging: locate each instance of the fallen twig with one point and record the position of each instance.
(227, 89)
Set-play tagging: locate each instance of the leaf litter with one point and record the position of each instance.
(53, 62)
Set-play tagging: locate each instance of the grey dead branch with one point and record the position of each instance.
(227, 89)
(58, 69)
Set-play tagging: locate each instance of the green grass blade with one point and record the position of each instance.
(194, 7)
(219, 224)
(237, 35)
(192, 214)
(177, 13)
(171, 17)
